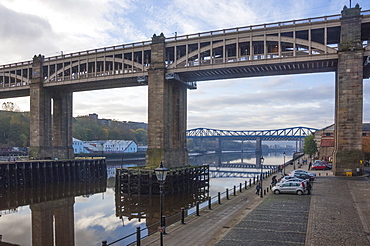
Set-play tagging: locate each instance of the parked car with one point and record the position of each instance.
(289, 178)
(303, 171)
(304, 176)
(292, 179)
(289, 187)
(320, 166)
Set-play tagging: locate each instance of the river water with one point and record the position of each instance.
(109, 215)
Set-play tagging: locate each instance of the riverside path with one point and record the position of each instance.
(337, 213)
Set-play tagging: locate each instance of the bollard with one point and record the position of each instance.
(227, 194)
(138, 236)
(234, 190)
(164, 224)
(326, 174)
(254, 180)
(246, 184)
(197, 208)
(319, 174)
(267, 189)
(240, 187)
(219, 197)
(264, 192)
(104, 243)
(182, 215)
(209, 203)
(250, 182)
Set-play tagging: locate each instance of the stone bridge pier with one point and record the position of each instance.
(50, 118)
(167, 113)
(349, 96)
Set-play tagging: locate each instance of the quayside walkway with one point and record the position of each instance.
(337, 213)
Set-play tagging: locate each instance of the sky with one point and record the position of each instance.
(51, 27)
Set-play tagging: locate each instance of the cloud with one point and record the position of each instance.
(48, 27)
(22, 34)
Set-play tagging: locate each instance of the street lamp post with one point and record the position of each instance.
(284, 163)
(161, 174)
(262, 160)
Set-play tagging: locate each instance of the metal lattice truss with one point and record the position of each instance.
(286, 134)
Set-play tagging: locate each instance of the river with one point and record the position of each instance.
(110, 216)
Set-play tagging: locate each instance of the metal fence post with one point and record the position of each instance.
(197, 208)
(209, 203)
(240, 187)
(246, 184)
(234, 190)
(227, 194)
(219, 197)
(182, 215)
(138, 236)
(164, 224)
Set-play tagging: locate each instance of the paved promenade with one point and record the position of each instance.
(337, 213)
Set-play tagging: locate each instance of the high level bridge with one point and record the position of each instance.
(337, 43)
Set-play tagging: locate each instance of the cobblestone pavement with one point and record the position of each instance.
(337, 213)
(340, 212)
(278, 220)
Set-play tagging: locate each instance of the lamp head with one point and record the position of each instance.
(161, 173)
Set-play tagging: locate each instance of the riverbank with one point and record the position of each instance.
(337, 213)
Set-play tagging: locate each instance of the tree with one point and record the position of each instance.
(310, 146)
(10, 106)
(366, 147)
(141, 136)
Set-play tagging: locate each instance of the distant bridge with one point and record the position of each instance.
(285, 134)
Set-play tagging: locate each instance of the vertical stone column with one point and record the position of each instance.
(62, 124)
(45, 231)
(64, 222)
(258, 152)
(167, 113)
(42, 224)
(218, 145)
(349, 95)
(40, 114)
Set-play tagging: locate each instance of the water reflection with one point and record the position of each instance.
(95, 211)
(51, 203)
(148, 207)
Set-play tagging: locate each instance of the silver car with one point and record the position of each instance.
(289, 187)
(293, 179)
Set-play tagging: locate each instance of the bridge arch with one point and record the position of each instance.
(295, 42)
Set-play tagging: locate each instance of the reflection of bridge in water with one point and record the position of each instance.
(231, 170)
(137, 193)
(50, 188)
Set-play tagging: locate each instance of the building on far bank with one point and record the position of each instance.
(325, 141)
(104, 146)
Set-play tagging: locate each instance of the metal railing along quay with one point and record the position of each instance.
(195, 210)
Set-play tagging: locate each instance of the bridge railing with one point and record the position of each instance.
(256, 27)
